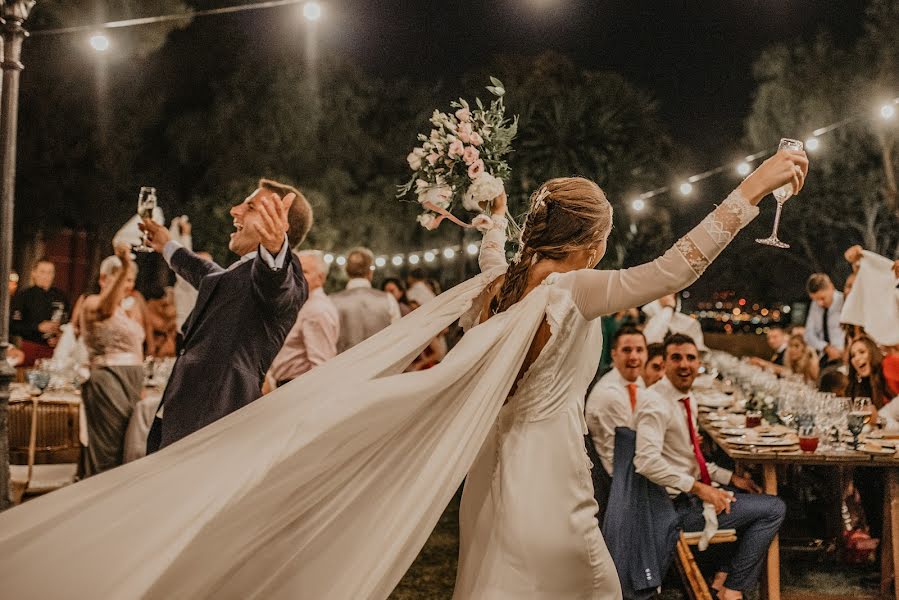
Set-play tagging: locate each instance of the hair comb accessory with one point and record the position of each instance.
(542, 195)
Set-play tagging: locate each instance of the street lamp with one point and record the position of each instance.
(14, 13)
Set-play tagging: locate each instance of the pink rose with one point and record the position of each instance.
(482, 223)
(464, 132)
(470, 155)
(463, 114)
(456, 149)
(475, 139)
(428, 221)
(476, 168)
(432, 159)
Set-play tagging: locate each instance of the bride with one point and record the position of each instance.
(329, 486)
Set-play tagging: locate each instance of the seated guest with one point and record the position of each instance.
(668, 453)
(114, 343)
(866, 378)
(613, 399)
(38, 312)
(802, 360)
(822, 326)
(313, 338)
(655, 364)
(418, 291)
(777, 341)
(363, 311)
(833, 381)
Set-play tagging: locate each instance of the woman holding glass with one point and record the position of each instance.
(114, 342)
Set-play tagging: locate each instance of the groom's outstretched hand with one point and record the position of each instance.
(157, 235)
(273, 224)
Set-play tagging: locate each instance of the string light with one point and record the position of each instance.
(413, 259)
(638, 204)
(812, 144)
(397, 260)
(888, 111)
(685, 188)
(341, 260)
(430, 256)
(329, 258)
(380, 261)
(449, 253)
(472, 249)
(312, 11)
(744, 168)
(99, 42)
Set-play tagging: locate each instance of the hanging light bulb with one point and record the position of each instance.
(812, 144)
(329, 258)
(685, 188)
(449, 253)
(397, 260)
(413, 259)
(743, 169)
(380, 261)
(430, 256)
(341, 260)
(638, 204)
(887, 111)
(472, 249)
(99, 42)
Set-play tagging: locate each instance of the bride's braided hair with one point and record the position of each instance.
(566, 214)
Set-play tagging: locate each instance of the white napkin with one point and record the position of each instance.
(873, 302)
(711, 525)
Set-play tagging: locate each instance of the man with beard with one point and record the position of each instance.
(669, 454)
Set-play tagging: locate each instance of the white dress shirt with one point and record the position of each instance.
(420, 293)
(664, 446)
(392, 305)
(311, 341)
(609, 406)
(814, 325)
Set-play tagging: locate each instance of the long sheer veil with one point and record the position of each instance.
(326, 488)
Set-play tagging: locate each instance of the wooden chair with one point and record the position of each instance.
(42, 433)
(694, 582)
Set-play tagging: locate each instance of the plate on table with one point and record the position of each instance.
(876, 449)
(714, 400)
(759, 441)
(735, 431)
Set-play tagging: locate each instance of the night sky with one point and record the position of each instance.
(694, 57)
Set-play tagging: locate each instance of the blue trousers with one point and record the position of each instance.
(756, 517)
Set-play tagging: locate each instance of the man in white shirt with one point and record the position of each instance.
(613, 399)
(418, 293)
(364, 311)
(668, 453)
(822, 326)
(313, 338)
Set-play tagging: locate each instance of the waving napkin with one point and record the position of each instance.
(874, 300)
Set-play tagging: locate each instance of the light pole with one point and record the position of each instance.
(14, 13)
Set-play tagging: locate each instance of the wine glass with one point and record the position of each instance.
(146, 205)
(39, 379)
(781, 195)
(859, 417)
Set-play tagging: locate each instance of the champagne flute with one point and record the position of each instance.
(781, 195)
(859, 417)
(146, 206)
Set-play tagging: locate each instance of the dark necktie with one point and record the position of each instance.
(826, 332)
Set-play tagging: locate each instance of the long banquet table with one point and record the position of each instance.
(769, 459)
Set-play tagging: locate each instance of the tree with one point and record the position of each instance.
(850, 196)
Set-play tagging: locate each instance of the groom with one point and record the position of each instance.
(242, 314)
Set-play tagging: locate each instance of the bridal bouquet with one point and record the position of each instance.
(461, 161)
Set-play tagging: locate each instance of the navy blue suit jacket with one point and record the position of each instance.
(237, 326)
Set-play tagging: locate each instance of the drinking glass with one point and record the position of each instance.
(781, 195)
(146, 206)
(39, 379)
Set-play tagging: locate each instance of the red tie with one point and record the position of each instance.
(632, 392)
(700, 459)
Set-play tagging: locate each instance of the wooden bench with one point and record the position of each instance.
(694, 582)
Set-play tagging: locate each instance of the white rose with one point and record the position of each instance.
(439, 195)
(483, 189)
(414, 158)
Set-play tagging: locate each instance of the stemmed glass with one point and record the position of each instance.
(781, 195)
(146, 205)
(858, 418)
(39, 378)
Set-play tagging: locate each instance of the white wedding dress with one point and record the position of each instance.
(328, 487)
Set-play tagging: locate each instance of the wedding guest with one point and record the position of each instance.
(822, 326)
(833, 381)
(396, 288)
(38, 312)
(777, 342)
(242, 314)
(114, 344)
(418, 292)
(364, 311)
(162, 318)
(801, 359)
(655, 364)
(614, 398)
(668, 453)
(610, 326)
(665, 318)
(313, 338)
(866, 378)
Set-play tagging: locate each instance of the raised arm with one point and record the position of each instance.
(111, 297)
(597, 293)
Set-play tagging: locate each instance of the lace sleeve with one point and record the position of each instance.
(599, 293)
(493, 245)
